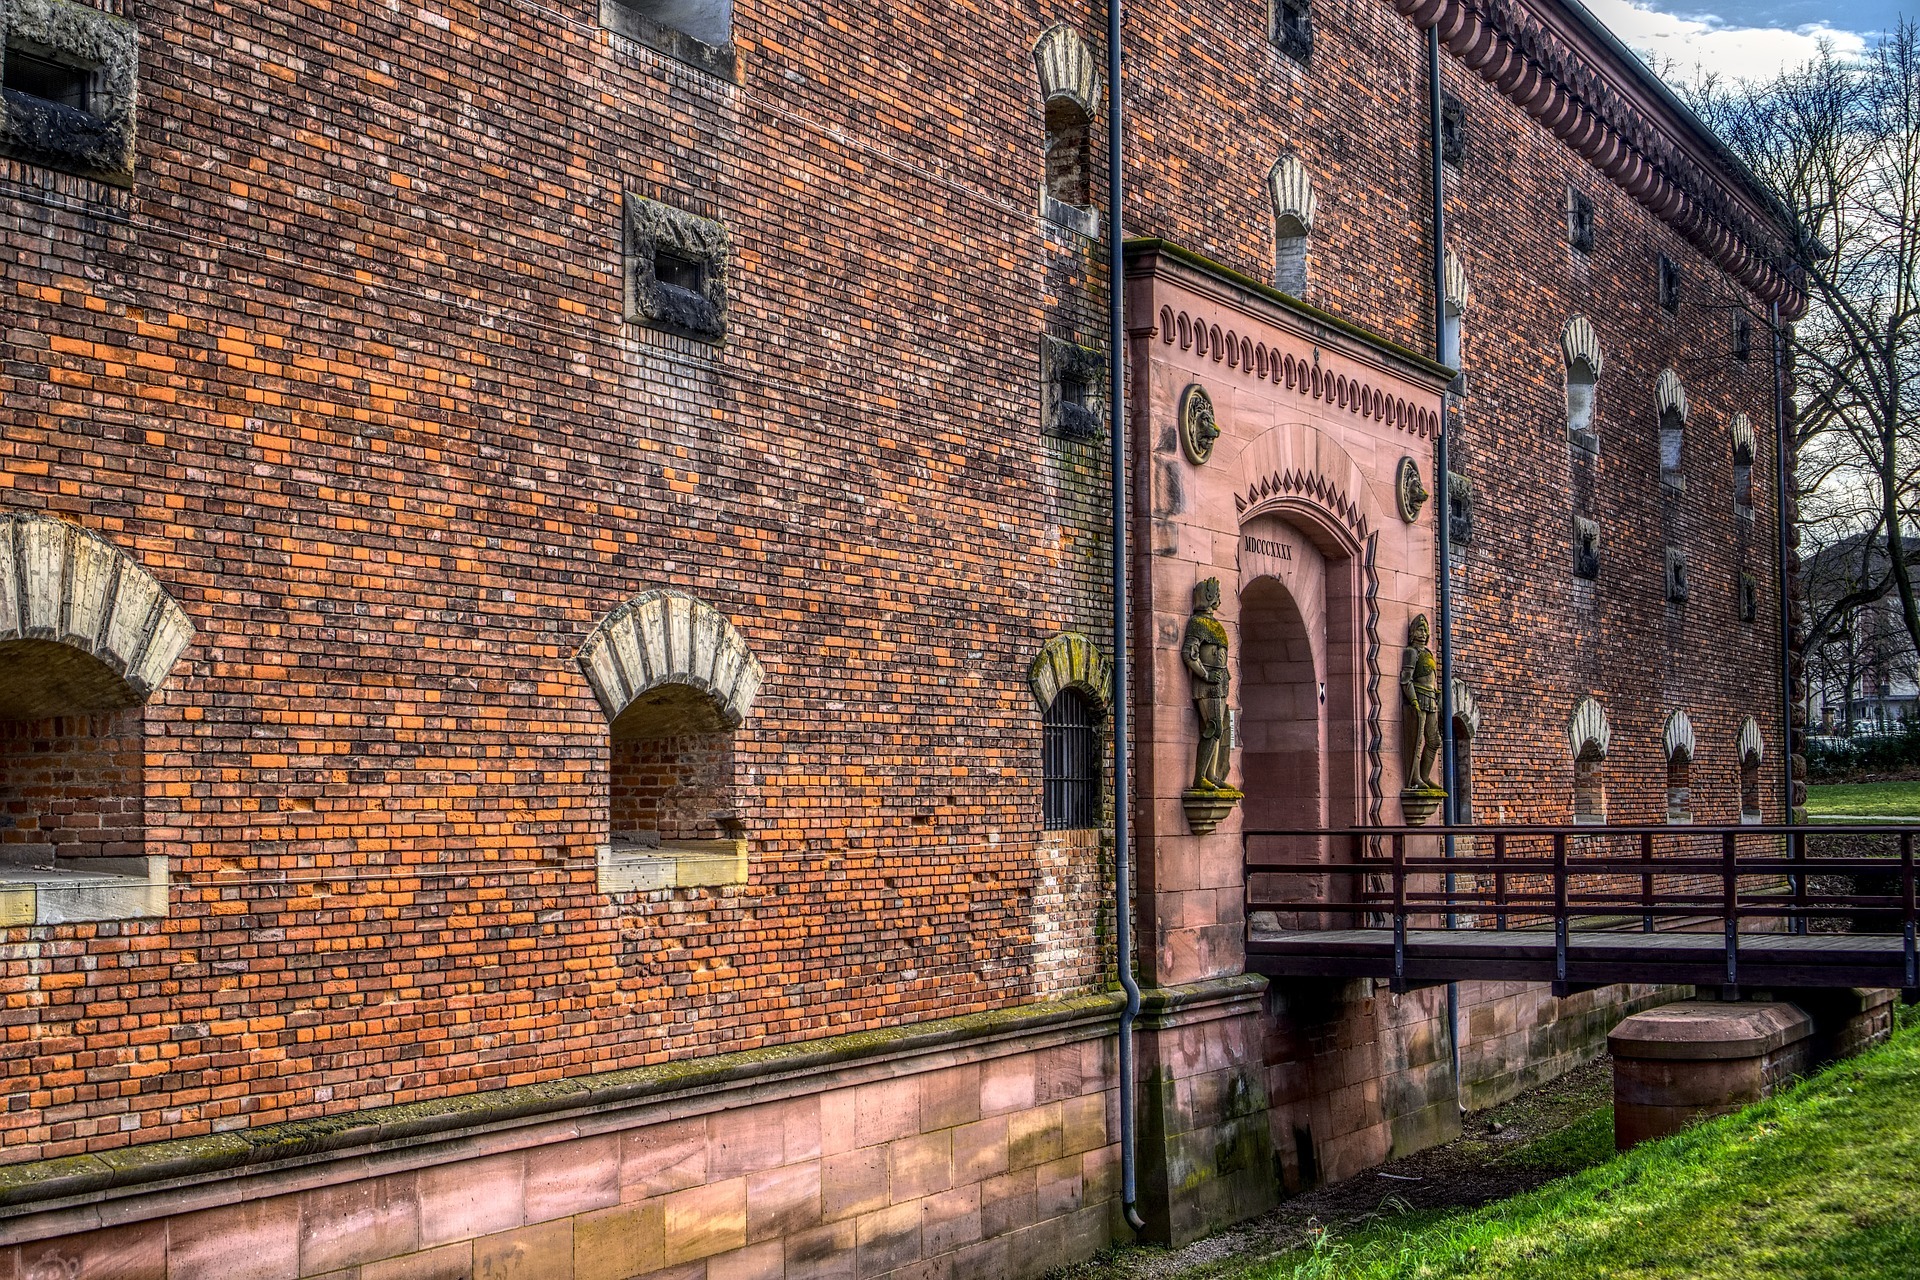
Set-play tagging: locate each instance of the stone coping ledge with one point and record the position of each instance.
(37, 1185)
(1709, 1031)
(1165, 1007)
(80, 890)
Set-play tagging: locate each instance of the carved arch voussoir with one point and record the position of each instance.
(1588, 735)
(1580, 343)
(65, 584)
(1741, 431)
(1466, 709)
(1677, 739)
(1752, 750)
(1292, 191)
(1672, 397)
(1070, 660)
(662, 637)
(1458, 297)
(1067, 68)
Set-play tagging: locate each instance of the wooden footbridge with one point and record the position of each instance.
(1728, 907)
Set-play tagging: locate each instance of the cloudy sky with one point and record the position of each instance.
(1747, 37)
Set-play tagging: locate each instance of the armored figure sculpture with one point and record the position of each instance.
(1420, 694)
(1205, 653)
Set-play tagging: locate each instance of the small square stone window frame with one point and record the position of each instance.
(1453, 131)
(1676, 576)
(1580, 220)
(1290, 28)
(1669, 285)
(1073, 382)
(1586, 548)
(97, 142)
(698, 249)
(624, 19)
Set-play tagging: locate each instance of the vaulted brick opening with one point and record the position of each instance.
(1750, 787)
(670, 772)
(1581, 383)
(1680, 787)
(1069, 153)
(1589, 787)
(1290, 256)
(1461, 784)
(72, 786)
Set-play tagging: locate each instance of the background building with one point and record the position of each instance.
(554, 676)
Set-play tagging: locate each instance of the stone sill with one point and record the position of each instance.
(77, 890)
(1070, 217)
(676, 864)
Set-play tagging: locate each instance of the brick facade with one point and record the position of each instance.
(357, 372)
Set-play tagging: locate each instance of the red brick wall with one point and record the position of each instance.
(72, 786)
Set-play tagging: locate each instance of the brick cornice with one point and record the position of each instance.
(1556, 62)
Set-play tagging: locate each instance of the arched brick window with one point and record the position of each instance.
(1072, 682)
(1070, 94)
(676, 681)
(1588, 737)
(1454, 311)
(1466, 728)
(1294, 205)
(1751, 755)
(1674, 410)
(1581, 347)
(86, 637)
(1678, 744)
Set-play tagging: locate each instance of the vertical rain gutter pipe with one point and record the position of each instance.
(1116, 404)
(1781, 454)
(1443, 516)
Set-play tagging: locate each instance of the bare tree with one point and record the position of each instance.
(1837, 142)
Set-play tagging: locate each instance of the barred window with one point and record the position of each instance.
(1070, 762)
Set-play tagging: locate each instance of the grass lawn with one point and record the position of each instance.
(1864, 800)
(1821, 1183)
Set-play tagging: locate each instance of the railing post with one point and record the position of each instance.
(1399, 910)
(1499, 881)
(1907, 894)
(1646, 881)
(1560, 906)
(1797, 852)
(1730, 895)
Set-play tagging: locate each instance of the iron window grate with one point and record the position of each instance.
(1070, 763)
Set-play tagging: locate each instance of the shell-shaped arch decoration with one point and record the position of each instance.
(1292, 191)
(1458, 297)
(1677, 738)
(666, 637)
(64, 585)
(1671, 396)
(1580, 343)
(1588, 736)
(1067, 68)
(1466, 710)
(1741, 431)
(1071, 661)
(1752, 750)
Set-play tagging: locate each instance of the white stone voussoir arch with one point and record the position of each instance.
(1741, 431)
(1067, 68)
(1677, 738)
(665, 637)
(1588, 736)
(1459, 296)
(1580, 344)
(1466, 710)
(1752, 751)
(1292, 191)
(1071, 661)
(1672, 397)
(65, 586)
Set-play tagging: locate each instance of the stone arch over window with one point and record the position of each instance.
(86, 638)
(1752, 752)
(1071, 661)
(1070, 97)
(1674, 410)
(1580, 344)
(1072, 681)
(1588, 738)
(1740, 435)
(1466, 728)
(1294, 205)
(1677, 743)
(676, 682)
(1453, 311)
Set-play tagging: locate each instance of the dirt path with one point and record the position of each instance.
(1475, 1169)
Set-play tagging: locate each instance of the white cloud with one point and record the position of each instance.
(1705, 43)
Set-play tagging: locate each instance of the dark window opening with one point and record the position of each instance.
(1749, 598)
(1070, 763)
(1676, 575)
(1579, 221)
(1586, 549)
(1589, 787)
(1293, 28)
(1453, 131)
(681, 273)
(48, 80)
(1069, 154)
(1743, 480)
(670, 775)
(1673, 435)
(1459, 509)
(708, 21)
(1462, 787)
(1742, 338)
(1669, 284)
(1750, 788)
(1680, 787)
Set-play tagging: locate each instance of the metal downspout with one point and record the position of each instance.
(1781, 454)
(1116, 401)
(1443, 518)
